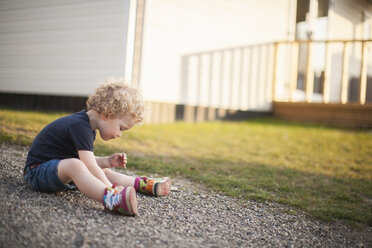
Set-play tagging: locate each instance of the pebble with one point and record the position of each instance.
(192, 216)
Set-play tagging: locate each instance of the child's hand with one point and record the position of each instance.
(118, 160)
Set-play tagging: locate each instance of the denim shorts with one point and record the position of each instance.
(45, 178)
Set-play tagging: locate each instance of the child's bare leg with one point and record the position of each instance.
(157, 186)
(119, 178)
(76, 171)
(124, 201)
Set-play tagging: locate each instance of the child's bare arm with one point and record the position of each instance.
(90, 162)
(102, 162)
(115, 160)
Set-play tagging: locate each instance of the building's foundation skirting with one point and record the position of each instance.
(348, 115)
(42, 102)
(168, 113)
(156, 112)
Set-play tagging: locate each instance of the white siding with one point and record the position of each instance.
(174, 29)
(61, 47)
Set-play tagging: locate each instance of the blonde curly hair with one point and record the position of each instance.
(115, 99)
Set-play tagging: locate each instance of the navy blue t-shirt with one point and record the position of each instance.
(62, 139)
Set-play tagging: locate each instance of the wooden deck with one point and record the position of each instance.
(347, 115)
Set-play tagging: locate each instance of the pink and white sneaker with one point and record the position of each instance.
(123, 202)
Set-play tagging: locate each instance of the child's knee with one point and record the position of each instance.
(76, 162)
(72, 164)
(67, 168)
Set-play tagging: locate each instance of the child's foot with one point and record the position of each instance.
(153, 186)
(123, 202)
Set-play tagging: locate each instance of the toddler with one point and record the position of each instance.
(61, 156)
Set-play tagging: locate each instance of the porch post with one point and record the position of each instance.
(309, 72)
(198, 80)
(363, 75)
(294, 70)
(276, 47)
(326, 74)
(345, 73)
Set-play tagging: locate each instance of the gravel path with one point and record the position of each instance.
(190, 217)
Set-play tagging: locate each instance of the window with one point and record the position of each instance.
(303, 7)
(323, 8)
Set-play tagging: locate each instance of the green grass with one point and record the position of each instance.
(325, 171)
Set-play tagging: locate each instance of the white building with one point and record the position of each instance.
(218, 54)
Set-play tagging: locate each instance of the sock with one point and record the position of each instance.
(137, 183)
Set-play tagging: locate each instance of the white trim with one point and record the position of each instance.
(130, 40)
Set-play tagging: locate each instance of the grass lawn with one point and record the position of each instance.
(327, 172)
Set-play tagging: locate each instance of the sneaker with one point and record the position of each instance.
(153, 186)
(123, 202)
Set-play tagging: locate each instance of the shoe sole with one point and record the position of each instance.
(131, 199)
(164, 187)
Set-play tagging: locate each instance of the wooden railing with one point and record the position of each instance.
(361, 57)
(236, 78)
(248, 77)
(255, 78)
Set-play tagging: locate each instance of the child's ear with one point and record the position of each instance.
(105, 117)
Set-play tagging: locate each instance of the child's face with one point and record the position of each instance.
(112, 128)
